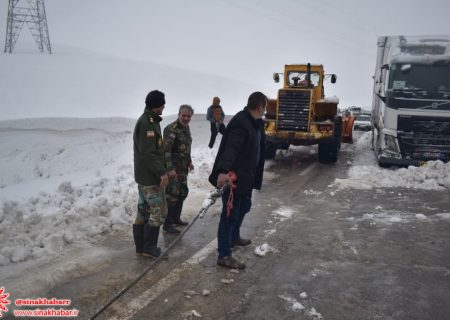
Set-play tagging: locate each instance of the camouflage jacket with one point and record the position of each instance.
(177, 145)
(149, 164)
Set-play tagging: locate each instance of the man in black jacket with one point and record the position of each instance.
(215, 116)
(241, 151)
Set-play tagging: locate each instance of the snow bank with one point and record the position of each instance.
(67, 184)
(43, 225)
(435, 175)
(365, 173)
(63, 181)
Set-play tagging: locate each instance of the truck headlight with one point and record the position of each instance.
(391, 143)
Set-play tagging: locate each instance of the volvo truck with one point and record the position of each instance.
(411, 100)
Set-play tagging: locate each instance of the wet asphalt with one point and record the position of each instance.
(336, 247)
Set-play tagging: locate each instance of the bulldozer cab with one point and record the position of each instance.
(305, 76)
(303, 79)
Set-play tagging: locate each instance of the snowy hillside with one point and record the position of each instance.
(74, 82)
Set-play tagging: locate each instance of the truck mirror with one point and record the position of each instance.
(385, 67)
(333, 78)
(382, 98)
(276, 77)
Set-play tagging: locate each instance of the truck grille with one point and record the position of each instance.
(293, 110)
(424, 138)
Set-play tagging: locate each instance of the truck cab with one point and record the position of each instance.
(411, 100)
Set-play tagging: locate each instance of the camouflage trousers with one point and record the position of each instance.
(176, 190)
(152, 205)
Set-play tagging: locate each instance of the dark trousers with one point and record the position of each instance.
(214, 131)
(229, 227)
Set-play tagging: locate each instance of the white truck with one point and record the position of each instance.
(411, 100)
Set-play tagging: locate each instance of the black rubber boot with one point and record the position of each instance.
(177, 215)
(155, 234)
(168, 227)
(138, 235)
(171, 229)
(170, 211)
(150, 241)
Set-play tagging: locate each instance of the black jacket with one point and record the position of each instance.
(238, 152)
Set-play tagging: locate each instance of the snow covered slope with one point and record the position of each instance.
(75, 82)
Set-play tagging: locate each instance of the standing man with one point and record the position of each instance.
(177, 146)
(241, 152)
(150, 175)
(347, 127)
(215, 116)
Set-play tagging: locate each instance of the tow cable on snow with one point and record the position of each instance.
(207, 202)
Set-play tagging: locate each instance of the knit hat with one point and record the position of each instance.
(155, 99)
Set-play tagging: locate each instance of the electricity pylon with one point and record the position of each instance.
(31, 12)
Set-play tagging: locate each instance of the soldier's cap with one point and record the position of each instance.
(154, 99)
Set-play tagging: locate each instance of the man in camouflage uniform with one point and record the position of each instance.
(177, 145)
(151, 176)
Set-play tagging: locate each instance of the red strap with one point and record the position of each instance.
(233, 178)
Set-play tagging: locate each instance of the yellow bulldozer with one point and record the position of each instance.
(301, 115)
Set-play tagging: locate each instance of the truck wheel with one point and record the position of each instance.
(270, 150)
(328, 152)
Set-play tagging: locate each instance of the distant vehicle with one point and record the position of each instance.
(363, 122)
(411, 100)
(355, 111)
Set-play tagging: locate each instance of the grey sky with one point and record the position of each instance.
(247, 40)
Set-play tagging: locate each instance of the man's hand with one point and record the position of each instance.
(164, 181)
(222, 179)
(172, 173)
